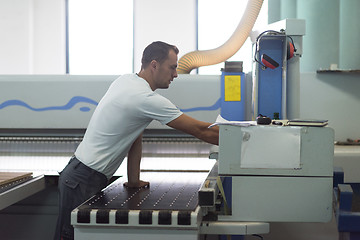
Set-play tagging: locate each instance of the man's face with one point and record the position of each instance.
(166, 71)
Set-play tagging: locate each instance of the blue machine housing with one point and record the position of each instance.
(233, 110)
(346, 203)
(270, 82)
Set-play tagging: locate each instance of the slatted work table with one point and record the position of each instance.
(168, 209)
(16, 186)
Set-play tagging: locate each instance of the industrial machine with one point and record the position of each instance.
(277, 173)
(271, 185)
(272, 168)
(346, 206)
(276, 71)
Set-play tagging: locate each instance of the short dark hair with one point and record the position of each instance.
(158, 51)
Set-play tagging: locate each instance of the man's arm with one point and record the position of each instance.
(133, 165)
(196, 128)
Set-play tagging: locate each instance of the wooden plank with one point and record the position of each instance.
(8, 177)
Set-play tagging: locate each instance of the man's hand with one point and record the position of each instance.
(140, 184)
(198, 129)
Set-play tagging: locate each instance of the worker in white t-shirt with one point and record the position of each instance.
(115, 131)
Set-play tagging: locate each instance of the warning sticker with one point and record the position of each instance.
(233, 88)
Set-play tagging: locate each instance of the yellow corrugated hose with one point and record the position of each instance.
(197, 59)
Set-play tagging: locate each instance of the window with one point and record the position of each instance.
(100, 36)
(217, 22)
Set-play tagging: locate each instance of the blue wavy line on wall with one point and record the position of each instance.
(69, 105)
(213, 107)
(78, 99)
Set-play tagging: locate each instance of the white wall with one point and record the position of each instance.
(33, 36)
(332, 96)
(173, 22)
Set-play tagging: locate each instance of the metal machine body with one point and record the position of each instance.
(347, 206)
(276, 91)
(167, 209)
(174, 206)
(279, 173)
(68, 101)
(42, 126)
(233, 92)
(43, 119)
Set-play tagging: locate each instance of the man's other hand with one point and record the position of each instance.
(138, 184)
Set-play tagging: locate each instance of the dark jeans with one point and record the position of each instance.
(77, 183)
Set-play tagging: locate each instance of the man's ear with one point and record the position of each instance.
(153, 64)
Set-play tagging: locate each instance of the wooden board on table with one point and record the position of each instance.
(8, 177)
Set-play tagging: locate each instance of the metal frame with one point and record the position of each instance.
(22, 191)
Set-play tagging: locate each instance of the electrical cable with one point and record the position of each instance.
(259, 236)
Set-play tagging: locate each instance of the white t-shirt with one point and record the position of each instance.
(121, 116)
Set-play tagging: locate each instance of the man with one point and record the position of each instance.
(116, 127)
